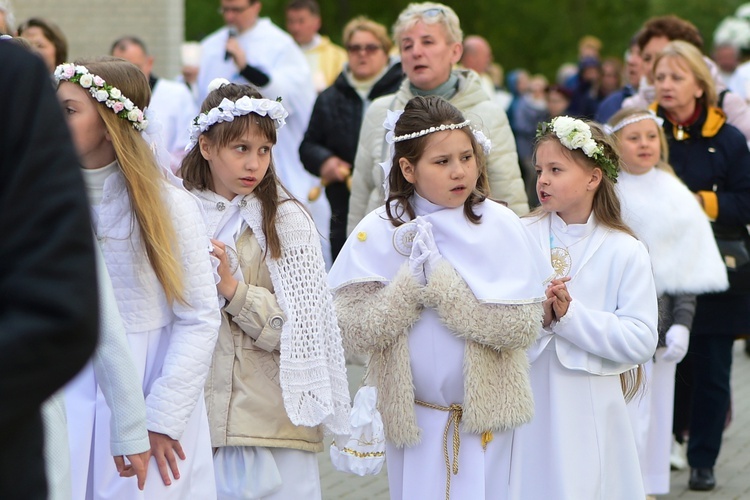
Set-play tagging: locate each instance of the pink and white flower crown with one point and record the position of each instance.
(227, 110)
(103, 92)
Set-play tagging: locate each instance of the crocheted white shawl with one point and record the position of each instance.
(312, 367)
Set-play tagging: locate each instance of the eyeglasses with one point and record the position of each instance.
(233, 10)
(369, 49)
(432, 12)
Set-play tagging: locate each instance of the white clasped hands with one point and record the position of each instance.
(424, 252)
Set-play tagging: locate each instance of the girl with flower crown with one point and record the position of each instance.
(686, 262)
(153, 241)
(278, 378)
(443, 289)
(599, 325)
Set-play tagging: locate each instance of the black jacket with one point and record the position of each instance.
(48, 291)
(334, 131)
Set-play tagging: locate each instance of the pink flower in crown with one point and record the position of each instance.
(68, 71)
(117, 107)
(98, 81)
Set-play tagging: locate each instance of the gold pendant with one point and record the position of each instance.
(561, 262)
(680, 135)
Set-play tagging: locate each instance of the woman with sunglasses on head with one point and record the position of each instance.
(330, 143)
(429, 38)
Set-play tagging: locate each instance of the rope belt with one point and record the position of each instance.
(455, 412)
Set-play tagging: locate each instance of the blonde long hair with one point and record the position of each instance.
(143, 176)
(606, 208)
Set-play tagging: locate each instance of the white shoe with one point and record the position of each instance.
(678, 455)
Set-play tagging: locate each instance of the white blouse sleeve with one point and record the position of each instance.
(116, 373)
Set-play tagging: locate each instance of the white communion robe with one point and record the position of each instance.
(580, 443)
(685, 259)
(170, 346)
(274, 52)
(436, 353)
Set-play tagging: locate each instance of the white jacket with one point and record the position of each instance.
(143, 305)
(485, 114)
(610, 326)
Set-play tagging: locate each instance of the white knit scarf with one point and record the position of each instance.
(312, 372)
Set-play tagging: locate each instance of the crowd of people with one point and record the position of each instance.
(551, 274)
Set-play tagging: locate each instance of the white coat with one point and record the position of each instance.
(173, 107)
(581, 436)
(171, 344)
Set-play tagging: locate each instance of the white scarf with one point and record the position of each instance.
(664, 214)
(312, 371)
(496, 258)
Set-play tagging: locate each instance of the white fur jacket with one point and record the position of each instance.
(376, 319)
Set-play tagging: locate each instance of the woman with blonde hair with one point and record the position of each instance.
(152, 237)
(711, 157)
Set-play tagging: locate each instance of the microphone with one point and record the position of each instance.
(232, 34)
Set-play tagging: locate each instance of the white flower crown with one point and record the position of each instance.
(103, 92)
(646, 115)
(576, 134)
(227, 110)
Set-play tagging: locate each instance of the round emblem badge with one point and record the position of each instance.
(232, 258)
(403, 237)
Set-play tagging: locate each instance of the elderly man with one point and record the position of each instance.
(172, 104)
(478, 56)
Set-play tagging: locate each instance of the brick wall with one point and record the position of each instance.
(92, 25)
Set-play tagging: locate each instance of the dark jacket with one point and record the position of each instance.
(714, 157)
(48, 291)
(334, 131)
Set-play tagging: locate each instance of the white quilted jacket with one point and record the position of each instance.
(193, 326)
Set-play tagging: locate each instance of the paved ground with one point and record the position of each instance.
(732, 469)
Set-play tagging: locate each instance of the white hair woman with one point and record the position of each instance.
(429, 38)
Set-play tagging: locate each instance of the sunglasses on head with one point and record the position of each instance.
(432, 12)
(370, 48)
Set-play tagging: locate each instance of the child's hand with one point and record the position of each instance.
(138, 467)
(557, 294)
(549, 315)
(426, 241)
(163, 449)
(228, 284)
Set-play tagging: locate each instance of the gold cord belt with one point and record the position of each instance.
(455, 412)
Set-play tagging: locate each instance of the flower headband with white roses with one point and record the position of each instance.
(227, 110)
(103, 92)
(576, 134)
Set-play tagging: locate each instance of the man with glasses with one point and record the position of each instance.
(326, 59)
(251, 49)
(429, 38)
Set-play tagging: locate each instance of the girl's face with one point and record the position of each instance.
(238, 167)
(90, 136)
(676, 87)
(563, 184)
(447, 172)
(640, 146)
(41, 45)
